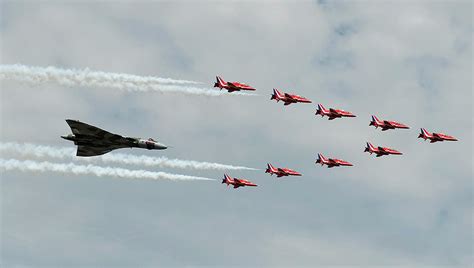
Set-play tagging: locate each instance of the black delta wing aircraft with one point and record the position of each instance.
(93, 141)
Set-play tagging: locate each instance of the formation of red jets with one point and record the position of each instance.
(332, 114)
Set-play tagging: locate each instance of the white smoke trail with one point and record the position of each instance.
(40, 151)
(78, 77)
(70, 168)
(88, 78)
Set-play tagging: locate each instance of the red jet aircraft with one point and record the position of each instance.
(237, 182)
(385, 125)
(281, 171)
(231, 86)
(380, 151)
(434, 137)
(287, 98)
(332, 113)
(331, 162)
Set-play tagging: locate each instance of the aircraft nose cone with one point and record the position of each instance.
(68, 137)
(160, 146)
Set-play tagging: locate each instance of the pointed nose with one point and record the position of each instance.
(160, 146)
(68, 137)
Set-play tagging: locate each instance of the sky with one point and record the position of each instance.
(408, 61)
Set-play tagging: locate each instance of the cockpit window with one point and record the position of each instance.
(150, 139)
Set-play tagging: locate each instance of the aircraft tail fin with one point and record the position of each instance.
(321, 159)
(226, 179)
(369, 147)
(277, 94)
(374, 121)
(274, 95)
(220, 82)
(321, 109)
(270, 168)
(424, 133)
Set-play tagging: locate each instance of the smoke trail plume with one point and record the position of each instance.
(40, 151)
(70, 168)
(88, 78)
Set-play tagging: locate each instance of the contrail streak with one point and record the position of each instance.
(70, 168)
(40, 151)
(88, 78)
(75, 77)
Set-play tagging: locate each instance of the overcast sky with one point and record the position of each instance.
(405, 61)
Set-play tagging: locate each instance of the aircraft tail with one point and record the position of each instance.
(220, 82)
(369, 147)
(321, 159)
(276, 95)
(270, 168)
(321, 110)
(424, 134)
(226, 179)
(374, 121)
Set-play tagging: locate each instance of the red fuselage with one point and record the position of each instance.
(385, 124)
(280, 172)
(435, 137)
(380, 151)
(287, 98)
(231, 86)
(332, 113)
(331, 162)
(237, 182)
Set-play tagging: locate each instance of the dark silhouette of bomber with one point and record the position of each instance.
(92, 141)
